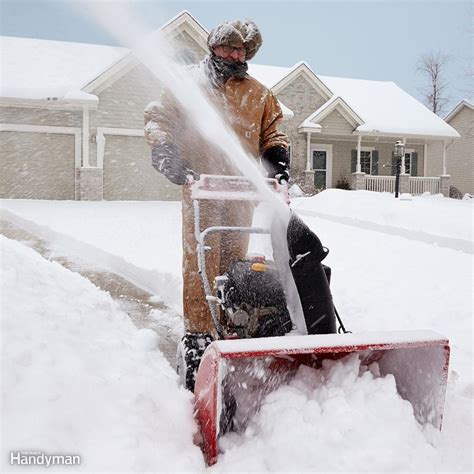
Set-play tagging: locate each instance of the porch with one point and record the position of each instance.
(414, 185)
(349, 162)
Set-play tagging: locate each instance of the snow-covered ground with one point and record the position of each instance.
(79, 378)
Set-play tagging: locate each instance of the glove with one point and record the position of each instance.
(276, 161)
(165, 159)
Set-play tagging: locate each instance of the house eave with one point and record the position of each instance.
(424, 136)
(305, 129)
(53, 103)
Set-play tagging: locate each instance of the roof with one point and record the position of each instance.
(463, 103)
(41, 69)
(383, 107)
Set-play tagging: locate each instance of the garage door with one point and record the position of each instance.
(36, 166)
(128, 174)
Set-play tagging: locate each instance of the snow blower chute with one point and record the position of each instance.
(254, 355)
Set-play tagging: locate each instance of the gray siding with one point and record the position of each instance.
(128, 174)
(121, 105)
(460, 154)
(336, 124)
(36, 166)
(50, 117)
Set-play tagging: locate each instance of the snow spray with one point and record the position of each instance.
(153, 49)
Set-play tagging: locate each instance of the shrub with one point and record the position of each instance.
(343, 183)
(454, 192)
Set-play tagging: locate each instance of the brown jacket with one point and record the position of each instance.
(254, 114)
(248, 106)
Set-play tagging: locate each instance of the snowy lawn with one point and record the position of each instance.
(65, 344)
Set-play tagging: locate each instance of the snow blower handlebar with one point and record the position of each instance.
(230, 188)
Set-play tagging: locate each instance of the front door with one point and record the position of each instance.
(321, 160)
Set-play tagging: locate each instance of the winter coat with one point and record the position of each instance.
(249, 107)
(254, 114)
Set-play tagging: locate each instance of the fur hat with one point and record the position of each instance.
(237, 34)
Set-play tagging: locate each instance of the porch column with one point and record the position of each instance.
(444, 158)
(308, 151)
(359, 141)
(425, 159)
(404, 141)
(85, 137)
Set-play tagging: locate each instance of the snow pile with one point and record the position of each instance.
(333, 419)
(427, 214)
(79, 378)
(64, 338)
(138, 241)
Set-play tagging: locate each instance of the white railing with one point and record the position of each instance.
(381, 184)
(420, 185)
(417, 185)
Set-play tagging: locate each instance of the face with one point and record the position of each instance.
(229, 52)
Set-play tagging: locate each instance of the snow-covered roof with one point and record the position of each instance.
(457, 108)
(41, 69)
(383, 107)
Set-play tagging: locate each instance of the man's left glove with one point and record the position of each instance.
(276, 161)
(165, 159)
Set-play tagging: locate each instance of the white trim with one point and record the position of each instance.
(85, 138)
(308, 151)
(359, 149)
(302, 69)
(14, 127)
(183, 21)
(444, 157)
(328, 149)
(379, 133)
(101, 140)
(425, 159)
(109, 76)
(59, 104)
(323, 111)
(457, 109)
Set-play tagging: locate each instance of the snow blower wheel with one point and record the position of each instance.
(188, 356)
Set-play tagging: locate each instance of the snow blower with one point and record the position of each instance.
(254, 353)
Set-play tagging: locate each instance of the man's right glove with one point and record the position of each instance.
(165, 159)
(276, 161)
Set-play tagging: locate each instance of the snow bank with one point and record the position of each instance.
(386, 280)
(427, 217)
(138, 241)
(79, 378)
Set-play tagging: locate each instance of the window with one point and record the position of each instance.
(408, 162)
(366, 161)
(319, 167)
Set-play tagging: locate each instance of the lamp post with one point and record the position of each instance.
(399, 151)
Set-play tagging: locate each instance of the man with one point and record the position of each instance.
(254, 114)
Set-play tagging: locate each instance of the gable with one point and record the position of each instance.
(301, 97)
(187, 49)
(183, 31)
(463, 121)
(303, 71)
(122, 102)
(337, 123)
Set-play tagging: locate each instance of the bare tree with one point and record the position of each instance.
(432, 66)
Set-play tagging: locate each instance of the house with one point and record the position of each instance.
(460, 155)
(71, 123)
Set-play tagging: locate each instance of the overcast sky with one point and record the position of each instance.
(379, 40)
